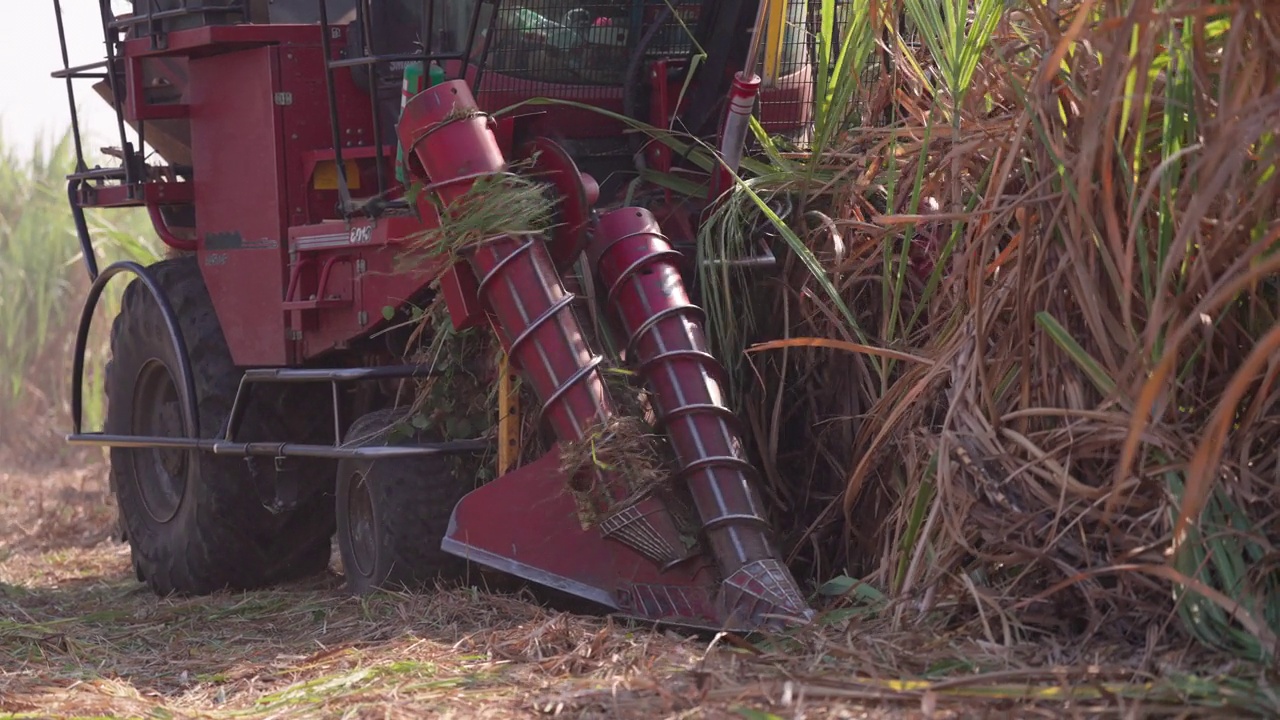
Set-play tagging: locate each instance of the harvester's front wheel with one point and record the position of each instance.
(393, 513)
(195, 521)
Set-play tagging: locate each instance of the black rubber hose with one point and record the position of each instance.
(631, 80)
(724, 28)
(82, 229)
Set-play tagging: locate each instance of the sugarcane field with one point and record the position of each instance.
(758, 360)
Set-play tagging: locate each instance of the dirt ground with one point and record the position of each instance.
(79, 637)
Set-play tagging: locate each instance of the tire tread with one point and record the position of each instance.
(222, 537)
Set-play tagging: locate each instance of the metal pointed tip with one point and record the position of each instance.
(790, 621)
(764, 594)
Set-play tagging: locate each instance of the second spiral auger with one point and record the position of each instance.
(665, 341)
(630, 554)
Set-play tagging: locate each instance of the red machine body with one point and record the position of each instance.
(278, 133)
(264, 198)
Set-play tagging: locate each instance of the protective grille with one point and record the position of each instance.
(587, 49)
(588, 45)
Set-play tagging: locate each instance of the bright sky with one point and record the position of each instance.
(32, 103)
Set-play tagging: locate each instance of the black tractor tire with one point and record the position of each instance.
(393, 513)
(197, 522)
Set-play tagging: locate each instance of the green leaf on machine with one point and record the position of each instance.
(458, 427)
(401, 431)
(843, 586)
(753, 714)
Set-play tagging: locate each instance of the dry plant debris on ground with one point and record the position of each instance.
(80, 638)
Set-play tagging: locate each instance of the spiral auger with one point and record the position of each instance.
(667, 345)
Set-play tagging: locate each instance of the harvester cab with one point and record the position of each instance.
(321, 170)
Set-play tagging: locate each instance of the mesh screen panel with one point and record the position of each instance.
(585, 49)
(584, 45)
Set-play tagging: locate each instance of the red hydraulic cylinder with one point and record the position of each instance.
(667, 345)
(733, 134)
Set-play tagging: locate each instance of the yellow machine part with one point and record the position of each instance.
(325, 176)
(775, 24)
(508, 419)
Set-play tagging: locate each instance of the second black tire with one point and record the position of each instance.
(393, 513)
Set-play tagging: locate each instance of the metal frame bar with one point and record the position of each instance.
(488, 44)
(364, 18)
(333, 376)
(280, 450)
(390, 57)
(82, 71)
(69, 74)
(472, 32)
(117, 96)
(306, 375)
(335, 124)
(71, 93)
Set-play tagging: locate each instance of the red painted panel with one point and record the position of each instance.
(236, 131)
(367, 272)
(308, 136)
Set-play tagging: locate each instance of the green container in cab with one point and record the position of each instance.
(412, 85)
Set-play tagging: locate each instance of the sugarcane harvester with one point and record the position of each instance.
(290, 153)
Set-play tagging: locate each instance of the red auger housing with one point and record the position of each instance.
(298, 258)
